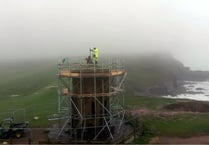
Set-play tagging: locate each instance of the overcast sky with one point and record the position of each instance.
(47, 28)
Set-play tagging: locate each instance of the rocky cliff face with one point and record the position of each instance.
(157, 75)
(166, 88)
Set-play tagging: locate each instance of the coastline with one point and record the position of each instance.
(193, 90)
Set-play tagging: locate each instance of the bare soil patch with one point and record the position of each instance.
(147, 112)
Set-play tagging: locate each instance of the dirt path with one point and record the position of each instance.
(193, 107)
(145, 112)
(176, 140)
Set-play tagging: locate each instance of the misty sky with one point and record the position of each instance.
(48, 28)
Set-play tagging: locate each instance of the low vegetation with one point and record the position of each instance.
(163, 122)
(25, 91)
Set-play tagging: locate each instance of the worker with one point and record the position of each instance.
(65, 60)
(95, 54)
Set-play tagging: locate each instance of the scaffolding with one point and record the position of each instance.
(91, 99)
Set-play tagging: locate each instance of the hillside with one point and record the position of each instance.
(28, 89)
(26, 76)
(158, 74)
(148, 75)
(23, 83)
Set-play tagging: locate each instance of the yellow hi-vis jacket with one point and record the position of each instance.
(96, 53)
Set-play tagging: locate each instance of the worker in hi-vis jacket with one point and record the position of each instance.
(95, 54)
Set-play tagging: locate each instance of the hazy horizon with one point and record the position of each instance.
(56, 28)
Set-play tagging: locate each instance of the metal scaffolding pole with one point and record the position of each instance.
(98, 111)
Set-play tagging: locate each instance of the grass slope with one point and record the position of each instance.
(24, 80)
(23, 89)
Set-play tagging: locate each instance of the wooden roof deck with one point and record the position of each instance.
(74, 74)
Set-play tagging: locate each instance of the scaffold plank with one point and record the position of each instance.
(66, 73)
(93, 95)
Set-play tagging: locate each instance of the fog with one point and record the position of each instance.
(54, 28)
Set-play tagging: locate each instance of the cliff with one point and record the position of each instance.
(159, 74)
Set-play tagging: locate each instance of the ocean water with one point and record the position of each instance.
(194, 91)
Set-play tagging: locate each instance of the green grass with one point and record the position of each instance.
(28, 81)
(184, 125)
(152, 103)
(179, 125)
(41, 103)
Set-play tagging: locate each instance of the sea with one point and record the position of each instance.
(194, 91)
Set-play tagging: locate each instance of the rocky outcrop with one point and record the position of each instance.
(159, 75)
(163, 89)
